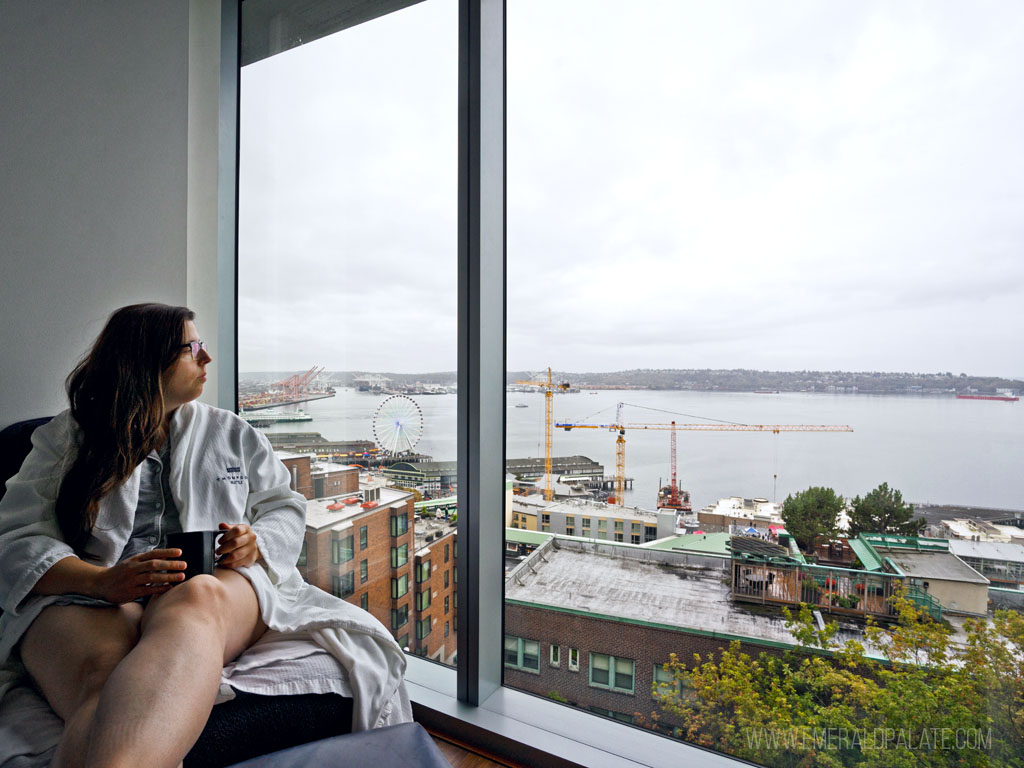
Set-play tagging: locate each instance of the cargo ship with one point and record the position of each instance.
(1004, 398)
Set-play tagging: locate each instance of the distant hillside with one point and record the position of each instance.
(708, 380)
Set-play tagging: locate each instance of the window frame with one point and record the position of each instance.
(473, 694)
(339, 548)
(520, 665)
(399, 556)
(399, 586)
(612, 673)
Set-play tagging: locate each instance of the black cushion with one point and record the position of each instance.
(251, 725)
(15, 443)
(398, 746)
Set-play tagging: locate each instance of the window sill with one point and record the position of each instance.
(532, 730)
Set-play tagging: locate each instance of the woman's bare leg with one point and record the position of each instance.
(156, 702)
(70, 651)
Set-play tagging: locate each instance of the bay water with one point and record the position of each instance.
(936, 450)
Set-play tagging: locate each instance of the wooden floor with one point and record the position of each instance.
(461, 757)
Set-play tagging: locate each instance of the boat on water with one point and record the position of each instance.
(265, 418)
(681, 504)
(1003, 398)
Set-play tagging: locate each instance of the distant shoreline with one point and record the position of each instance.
(945, 384)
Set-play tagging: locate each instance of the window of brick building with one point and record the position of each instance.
(555, 655)
(399, 556)
(611, 672)
(423, 571)
(341, 550)
(423, 600)
(521, 653)
(574, 660)
(363, 536)
(364, 571)
(399, 616)
(399, 586)
(422, 628)
(344, 584)
(399, 524)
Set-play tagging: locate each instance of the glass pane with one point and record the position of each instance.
(346, 301)
(511, 650)
(599, 669)
(764, 320)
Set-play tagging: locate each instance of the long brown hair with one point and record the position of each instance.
(116, 396)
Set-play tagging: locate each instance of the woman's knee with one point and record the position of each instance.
(203, 598)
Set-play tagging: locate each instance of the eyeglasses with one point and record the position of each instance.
(195, 347)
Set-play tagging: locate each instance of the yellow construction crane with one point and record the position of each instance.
(549, 420)
(620, 442)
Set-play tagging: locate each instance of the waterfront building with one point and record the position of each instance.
(427, 476)
(972, 529)
(316, 444)
(590, 519)
(443, 475)
(566, 469)
(1001, 563)
(737, 512)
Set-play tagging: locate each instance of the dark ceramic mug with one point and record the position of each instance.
(198, 550)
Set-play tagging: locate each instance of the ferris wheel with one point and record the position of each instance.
(397, 424)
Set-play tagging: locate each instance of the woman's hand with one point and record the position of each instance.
(148, 573)
(237, 548)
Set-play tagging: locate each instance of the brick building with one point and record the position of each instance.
(362, 552)
(316, 480)
(594, 622)
(434, 583)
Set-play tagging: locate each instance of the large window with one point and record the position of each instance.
(719, 216)
(736, 232)
(347, 273)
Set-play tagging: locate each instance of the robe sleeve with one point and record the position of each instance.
(30, 538)
(276, 513)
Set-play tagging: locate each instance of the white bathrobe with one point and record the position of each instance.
(221, 470)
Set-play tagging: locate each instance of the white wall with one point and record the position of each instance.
(94, 180)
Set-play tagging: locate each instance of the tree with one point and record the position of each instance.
(884, 511)
(919, 700)
(812, 514)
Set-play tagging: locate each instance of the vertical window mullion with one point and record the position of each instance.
(481, 344)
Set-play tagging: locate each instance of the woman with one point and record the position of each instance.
(124, 650)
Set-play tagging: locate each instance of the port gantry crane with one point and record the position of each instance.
(621, 426)
(549, 420)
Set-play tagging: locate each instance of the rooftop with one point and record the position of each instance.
(933, 565)
(429, 531)
(597, 578)
(737, 506)
(320, 518)
(988, 550)
(705, 543)
(536, 505)
(519, 536)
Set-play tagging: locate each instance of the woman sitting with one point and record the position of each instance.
(125, 651)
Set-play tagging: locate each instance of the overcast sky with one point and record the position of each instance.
(783, 185)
